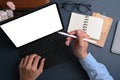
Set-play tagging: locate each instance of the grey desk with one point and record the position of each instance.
(9, 58)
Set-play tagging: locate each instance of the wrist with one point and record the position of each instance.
(83, 54)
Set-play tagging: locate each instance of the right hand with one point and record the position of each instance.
(79, 45)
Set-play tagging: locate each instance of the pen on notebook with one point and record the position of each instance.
(73, 36)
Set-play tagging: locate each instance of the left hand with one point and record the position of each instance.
(29, 69)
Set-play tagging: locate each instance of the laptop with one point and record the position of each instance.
(36, 33)
(116, 42)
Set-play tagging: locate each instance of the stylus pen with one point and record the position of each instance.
(73, 36)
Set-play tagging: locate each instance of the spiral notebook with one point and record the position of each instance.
(89, 24)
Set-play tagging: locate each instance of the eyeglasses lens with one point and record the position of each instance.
(69, 6)
(83, 8)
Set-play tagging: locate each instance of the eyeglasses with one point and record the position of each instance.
(81, 7)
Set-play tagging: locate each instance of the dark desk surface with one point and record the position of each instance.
(9, 58)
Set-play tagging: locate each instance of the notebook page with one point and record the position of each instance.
(75, 22)
(94, 27)
(91, 25)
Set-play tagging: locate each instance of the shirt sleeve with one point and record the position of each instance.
(95, 70)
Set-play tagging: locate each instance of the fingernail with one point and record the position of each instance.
(67, 43)
(79, 31)
(39, 56)
(26, 56)
(44, 59)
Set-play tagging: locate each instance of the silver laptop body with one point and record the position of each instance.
(116, 42)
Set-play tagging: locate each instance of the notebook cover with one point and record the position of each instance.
(105, 29)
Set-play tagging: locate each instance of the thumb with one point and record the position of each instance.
(79, 34)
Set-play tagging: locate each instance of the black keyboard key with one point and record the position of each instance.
(46, 45)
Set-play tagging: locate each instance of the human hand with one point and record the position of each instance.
(29, 69)
(79, 45)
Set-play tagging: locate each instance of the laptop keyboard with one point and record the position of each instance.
(44, 46)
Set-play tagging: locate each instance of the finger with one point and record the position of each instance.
(72, 32)
(25, 61)
(86, 36)
(21, 63)
(79, 34)
(30, 61)
(35, 63)
(68, 40)
(41, 66)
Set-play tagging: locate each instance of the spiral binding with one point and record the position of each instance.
(85, 23)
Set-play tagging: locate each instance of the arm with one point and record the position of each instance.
(95, 70)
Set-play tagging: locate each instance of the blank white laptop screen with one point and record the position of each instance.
(33, 26)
